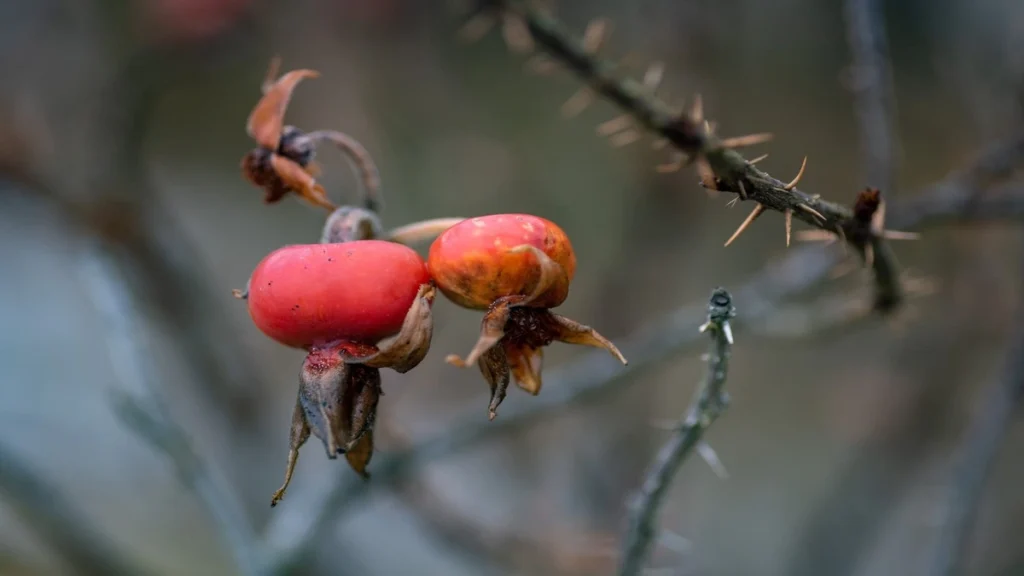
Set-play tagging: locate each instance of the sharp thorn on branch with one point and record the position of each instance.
(796, 180)
(789, 225)
(748, 140)
(697, 110)
(625, 138)
(758, 210)
(578, 102)
(812, 212)
(617, 124)
(675, 165)
(758, 159)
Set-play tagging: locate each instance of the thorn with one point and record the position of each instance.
(816, 236)
(652, 78)
(625, 138)
(697, 110)
(659, 143)
(708, 454)
(748, 140)
(758, 210)
(812, 212)
(896, 235)
(595, 35)
(792, 184)
(541, 65)
(869, 255)
(476, 27)
(743, 189)
(675, 165)
(578, 102)
(704, 327)
(517, 35)
(758, 159)
(727, 329)
(732, 202)
(707, 175)
(614, 125)
(789, 225)
(709, 127)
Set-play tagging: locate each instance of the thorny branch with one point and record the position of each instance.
(974, 461)
(707, 406)
(959, 197)
(720, 166)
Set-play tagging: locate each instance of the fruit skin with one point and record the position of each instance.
(310, 295)
(473, 267)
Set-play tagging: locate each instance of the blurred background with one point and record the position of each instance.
(123, 211)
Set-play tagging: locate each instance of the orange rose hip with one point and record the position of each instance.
(516, 267)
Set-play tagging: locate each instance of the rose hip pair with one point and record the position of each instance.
(363, 305)
(357, 304)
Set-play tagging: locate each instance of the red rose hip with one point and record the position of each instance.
(356, 307)
(516, 267)
(313, 294)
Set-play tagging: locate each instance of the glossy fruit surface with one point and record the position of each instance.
(314, 294)
(473, 263)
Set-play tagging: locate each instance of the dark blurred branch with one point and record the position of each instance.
(707, 406)
(975, 459)
(594, 373)
(55, 519)
(871, 82)
(722, 167)
(132, 360)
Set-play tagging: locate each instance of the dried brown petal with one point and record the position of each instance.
(267, 119)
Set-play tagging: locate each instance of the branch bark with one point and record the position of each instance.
(707, 406)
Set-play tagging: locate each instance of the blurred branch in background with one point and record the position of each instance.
(131, 358)
(56, 521)
(709, 403)
(874, 99)
(974, 461)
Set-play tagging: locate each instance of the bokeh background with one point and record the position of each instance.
(122, 131)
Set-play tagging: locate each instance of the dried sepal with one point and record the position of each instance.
(266, 120)
(571, 332)
(299, 434)
(421, 231)
(494, 367)
(492, 328)
(359, 455)
(526, 364)
(297, 179)
(405, 350)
